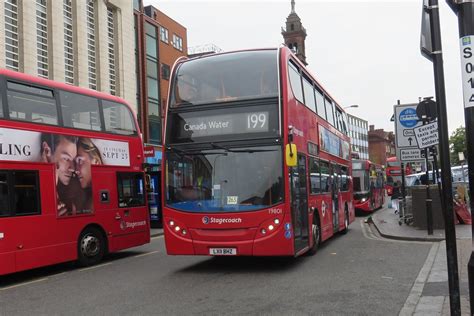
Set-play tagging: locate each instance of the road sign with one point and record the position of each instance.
(406, 120)
(427, 135)
(467, 61)
(414, 154)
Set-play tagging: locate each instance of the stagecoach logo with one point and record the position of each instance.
(122, 225)
(323, 208)
(213, 220)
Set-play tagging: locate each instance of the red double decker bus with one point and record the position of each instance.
(71, 179)
(368, 185)
(257, 157)
(393, 172)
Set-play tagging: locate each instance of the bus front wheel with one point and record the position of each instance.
(91, 246)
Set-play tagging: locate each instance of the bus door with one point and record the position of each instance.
(299, 203)
(335, 196)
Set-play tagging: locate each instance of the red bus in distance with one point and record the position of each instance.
(256, 157)
(71, 180)
(393, 172)
(369, 190)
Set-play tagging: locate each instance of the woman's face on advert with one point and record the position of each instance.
(83, 168)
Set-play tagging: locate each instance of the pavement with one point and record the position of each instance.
(430, 292)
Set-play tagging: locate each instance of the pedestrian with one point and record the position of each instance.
(395, 195)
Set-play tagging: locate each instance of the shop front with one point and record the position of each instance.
(153, 157)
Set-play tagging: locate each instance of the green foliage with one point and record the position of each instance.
(457, 143)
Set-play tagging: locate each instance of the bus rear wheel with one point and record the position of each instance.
(91, 247)
(346, 221)
(316, 233)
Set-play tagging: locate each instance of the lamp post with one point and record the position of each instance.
(351, 106)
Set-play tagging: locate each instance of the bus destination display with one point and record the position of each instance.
(235, 123)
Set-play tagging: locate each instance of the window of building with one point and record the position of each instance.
(177, 42)
(131, 189)
(42, 38)
(164, 34)
(91, 44)
(165, 71)
(12, 46)
(68, 42)
(136, 5)
(19, 193)
(112, 52)
(154, 130)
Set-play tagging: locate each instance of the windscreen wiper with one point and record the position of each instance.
(182, 152)
(256, 150)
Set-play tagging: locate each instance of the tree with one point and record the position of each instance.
(457, 144)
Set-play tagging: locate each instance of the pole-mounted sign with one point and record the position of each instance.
(467, 63)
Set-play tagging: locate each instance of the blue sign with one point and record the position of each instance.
(408, 117)
(156, 160)
(288, 234)
(287, 226)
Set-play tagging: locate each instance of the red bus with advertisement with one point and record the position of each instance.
(393, 172)
(256, 157)
(71, 180)
(368, 185)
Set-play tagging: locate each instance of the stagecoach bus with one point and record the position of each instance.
(369, 190)
(71, 179)
(257, 157)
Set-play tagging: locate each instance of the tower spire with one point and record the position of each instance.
(293, 6)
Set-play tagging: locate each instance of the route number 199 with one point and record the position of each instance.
(256, 120)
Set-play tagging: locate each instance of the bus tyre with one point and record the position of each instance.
(91, 247)
(346, 222)
(316, 233)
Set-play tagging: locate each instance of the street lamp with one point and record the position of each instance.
(351, 106)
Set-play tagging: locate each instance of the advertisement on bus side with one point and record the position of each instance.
(73, 157)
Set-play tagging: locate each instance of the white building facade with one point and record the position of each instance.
(359, 133)
(86, 43)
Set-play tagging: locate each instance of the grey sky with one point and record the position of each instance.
(363, 52)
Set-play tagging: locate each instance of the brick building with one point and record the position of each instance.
(160, 41)
(381, 145)
(82, 43)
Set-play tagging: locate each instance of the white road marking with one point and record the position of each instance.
(417, 289)
(156, 237)
(22, 284)
(145, 254)
(97, 266)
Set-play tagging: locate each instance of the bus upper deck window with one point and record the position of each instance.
(186, 89)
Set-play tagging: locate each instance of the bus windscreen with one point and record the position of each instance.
(211, 180)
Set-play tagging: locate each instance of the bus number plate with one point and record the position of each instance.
(222, 251)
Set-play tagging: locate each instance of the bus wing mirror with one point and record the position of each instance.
(291, 154)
